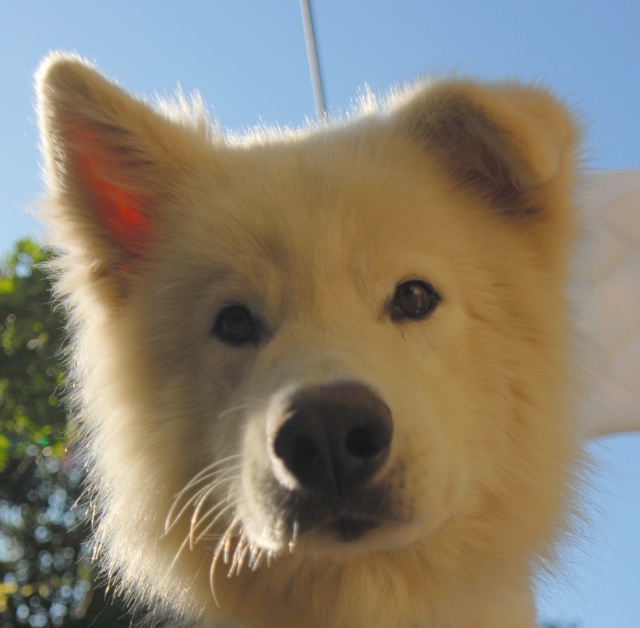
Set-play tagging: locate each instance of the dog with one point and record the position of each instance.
(323, 377)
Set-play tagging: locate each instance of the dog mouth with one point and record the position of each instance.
(299, 520)
(367, 521)
(371, 519)
(350, 529)
(340, 520)
(350, 535)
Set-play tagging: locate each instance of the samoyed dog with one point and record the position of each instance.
(322, 376)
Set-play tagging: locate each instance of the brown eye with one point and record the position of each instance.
(235, 325)
(413, 300)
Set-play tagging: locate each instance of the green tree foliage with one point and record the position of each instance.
(30, 345)
(46, 568)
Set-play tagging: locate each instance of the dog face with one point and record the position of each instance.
(346, 343)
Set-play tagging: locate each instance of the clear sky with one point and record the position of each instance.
(248, 59)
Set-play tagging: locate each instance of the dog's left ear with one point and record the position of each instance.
(505, 141)
(112, 164)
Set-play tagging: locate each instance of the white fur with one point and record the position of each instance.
(464, 185)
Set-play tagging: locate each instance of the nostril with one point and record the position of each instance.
(298, 450)
(365, 442)
(305, 450)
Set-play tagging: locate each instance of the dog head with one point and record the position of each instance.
(328, 350)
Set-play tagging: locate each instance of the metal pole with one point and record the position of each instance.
(312, 55)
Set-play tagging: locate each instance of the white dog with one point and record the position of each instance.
(322, 376)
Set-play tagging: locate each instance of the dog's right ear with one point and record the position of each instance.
(111, 163)
(505, 141)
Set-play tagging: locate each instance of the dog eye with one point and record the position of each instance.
(235, 325)
(413, 300)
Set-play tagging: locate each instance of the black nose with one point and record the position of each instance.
(335, 438)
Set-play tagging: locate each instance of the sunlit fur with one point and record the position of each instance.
(465, 185)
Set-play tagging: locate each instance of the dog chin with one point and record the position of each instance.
(348, 536)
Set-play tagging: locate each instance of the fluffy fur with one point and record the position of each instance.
(163, 223)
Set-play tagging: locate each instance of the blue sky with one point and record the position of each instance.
(247, 58)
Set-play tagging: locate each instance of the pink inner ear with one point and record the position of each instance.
(118, 210)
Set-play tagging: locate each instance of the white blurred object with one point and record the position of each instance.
(608, 301)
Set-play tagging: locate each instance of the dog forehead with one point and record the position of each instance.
(322, 196)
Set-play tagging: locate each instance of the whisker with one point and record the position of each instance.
(205, 475)
(294, 536)
(178, 554)
(223, 477)
(188, 538)
(212, 523)
(212, 584)
(220, 478)
(245, 406)
(196, 522)
(213, 466)
(228, 539)
(255, 557)
(239, 553)
(226, 547)
(170, 521)
(222, 549)
(270, 555)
